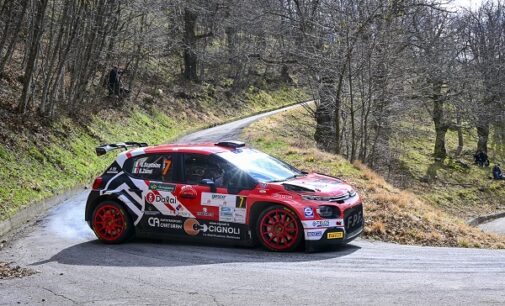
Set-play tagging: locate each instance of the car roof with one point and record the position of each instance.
(200, 148)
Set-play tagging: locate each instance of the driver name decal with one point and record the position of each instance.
(217, 199)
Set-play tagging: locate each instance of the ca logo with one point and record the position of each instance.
(155, 222)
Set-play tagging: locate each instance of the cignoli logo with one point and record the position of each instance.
(192, 227)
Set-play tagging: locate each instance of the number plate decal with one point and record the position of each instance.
(335, 235)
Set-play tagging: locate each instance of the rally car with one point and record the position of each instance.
(222, 192)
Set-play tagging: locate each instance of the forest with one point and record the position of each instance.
(368, 64)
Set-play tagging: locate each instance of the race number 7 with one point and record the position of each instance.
(240, 202)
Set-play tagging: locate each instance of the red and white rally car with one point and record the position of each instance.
(223, 192)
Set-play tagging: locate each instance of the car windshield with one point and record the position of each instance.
(260, 166)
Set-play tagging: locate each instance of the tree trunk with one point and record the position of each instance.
(352, 155)
(459, 129)
(438, 119)
(483, 135)
(190, 56)
(324, 134)
(10, 49)
(32, 57)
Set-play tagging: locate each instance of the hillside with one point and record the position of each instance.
(456, 185)
(39, 159)
(392, 214)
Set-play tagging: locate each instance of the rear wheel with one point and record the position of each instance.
(111, 223)
(279, 229)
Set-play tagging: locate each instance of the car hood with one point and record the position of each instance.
(318, 184)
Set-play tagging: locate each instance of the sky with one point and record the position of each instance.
(468, 4)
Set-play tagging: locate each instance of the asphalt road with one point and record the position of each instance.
(73, 268)
(229, 131)
(495, 226)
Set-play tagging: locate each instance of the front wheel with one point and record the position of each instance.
(279, 229)
(111, 223)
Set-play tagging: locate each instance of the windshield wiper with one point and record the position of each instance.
(288, 178)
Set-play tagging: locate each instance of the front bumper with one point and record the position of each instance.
(332, 236)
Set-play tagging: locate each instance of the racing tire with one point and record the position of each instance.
(279, 229)
(111, 222)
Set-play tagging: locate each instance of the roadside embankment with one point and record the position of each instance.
(391, 214)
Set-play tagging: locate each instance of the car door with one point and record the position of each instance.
(157, 180)
(205, 193)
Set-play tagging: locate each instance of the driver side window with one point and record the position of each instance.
(198, 167)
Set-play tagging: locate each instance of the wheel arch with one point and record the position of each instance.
(90, 207)
(259, 206)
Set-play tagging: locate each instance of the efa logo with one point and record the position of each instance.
(308, 212)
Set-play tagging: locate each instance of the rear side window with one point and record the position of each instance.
(158, 167)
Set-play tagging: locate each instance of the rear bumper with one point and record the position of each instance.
(90, 205)
(333, 237)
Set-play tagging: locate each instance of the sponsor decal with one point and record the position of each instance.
(308, 212)
(314, 234)
(152, 198)
(164, 223)
(162, 187)
(225, 230)
(152, 213)
(321, 223)
(335, 235)
(192, 227)
(354, 219)
(226, 214)
(239, 215)
(141, 167)
(166, 203)
(282, 196)
(112, 170)
(205, 213)
(219, 200)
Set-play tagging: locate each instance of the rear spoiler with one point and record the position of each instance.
(104, 149)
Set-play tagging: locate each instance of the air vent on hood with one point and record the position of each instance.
(296, 188)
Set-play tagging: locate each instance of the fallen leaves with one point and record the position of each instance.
(6, 271)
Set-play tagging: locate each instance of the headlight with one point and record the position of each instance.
(326, 211)
(352, 193)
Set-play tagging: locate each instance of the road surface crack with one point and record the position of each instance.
(60, 295)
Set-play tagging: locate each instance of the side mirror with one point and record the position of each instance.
(210, 183)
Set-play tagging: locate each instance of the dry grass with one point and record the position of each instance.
(391, 214)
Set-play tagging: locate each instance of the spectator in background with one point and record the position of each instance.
(114, 81)
(481, 158)
(497, 174)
